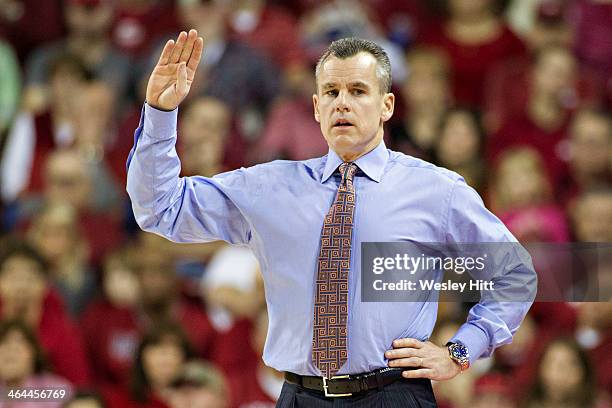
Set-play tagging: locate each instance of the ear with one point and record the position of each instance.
(388, 106)
(315, 104)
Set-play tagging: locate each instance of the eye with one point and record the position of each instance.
(358, 91)
(332, 92)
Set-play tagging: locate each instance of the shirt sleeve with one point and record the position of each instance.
(182, 209)
(491, 322)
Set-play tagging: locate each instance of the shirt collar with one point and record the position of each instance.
(372, 163)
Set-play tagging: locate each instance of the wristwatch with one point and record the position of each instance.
(459, 354)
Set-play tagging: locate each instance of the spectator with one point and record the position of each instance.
(565, 378)
(594, 334)
(331, 20)
(426, 96)
(160, 295)
(231, 70)
(590, 152)
(475, 37)
(24, 294)
(22, 365)
(233, 290)
(544, 120)
(159, 360)
(56, 235)
(88, 23)
(70, 179)
(205, 127)
(460, 146)
(521, 196)
(110, 324)
(508, 84)
(32, 137)
(290, 131)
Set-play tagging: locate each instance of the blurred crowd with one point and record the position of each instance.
(515, 96)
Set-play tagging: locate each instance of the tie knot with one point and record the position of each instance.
(348, 170)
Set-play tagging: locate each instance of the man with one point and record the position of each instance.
(282, 211)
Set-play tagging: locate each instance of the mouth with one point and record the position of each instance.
(342, 124)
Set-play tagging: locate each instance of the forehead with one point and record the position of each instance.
(340, 71)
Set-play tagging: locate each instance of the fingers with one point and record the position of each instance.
(420, 373)
(408, 342)
(188, 48)
(165, 54)
(406, 362)
(181, 80)
(196, 54)
(402, 352)
(178, 48)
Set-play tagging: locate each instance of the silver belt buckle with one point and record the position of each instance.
(325, 386)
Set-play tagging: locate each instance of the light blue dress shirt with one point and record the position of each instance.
(277, 209)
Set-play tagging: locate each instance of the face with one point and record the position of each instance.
(591, 146)
(561, 371)
(206, 16)
(21, 283)
(458, 142)
(593, 218)
(67, 180)
(55, 236)
(426, 85)
(162, 362)
(16, 357)
(554, 73)
(120, 284)
(349, 106)
(520, 182)
(204, 129)
(156, 277)
(89, 20)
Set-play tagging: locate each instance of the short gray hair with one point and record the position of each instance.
(349, 47)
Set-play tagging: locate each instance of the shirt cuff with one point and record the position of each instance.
(474, 338)
(159, 124)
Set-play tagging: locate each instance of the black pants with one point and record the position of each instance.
(405, 393)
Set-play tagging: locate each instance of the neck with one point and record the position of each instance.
(351, 156)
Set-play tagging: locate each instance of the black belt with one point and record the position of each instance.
(346, 385)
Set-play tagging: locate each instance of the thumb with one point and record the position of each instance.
(181, 80)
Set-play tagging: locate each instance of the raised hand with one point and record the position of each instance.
(173, 75)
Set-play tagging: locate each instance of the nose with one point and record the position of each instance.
(341, 103)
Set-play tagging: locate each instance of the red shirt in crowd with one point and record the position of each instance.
(275, 35)
(112, 335)
(551, 144)
(137, 28)
(470, 63)
(61, 341)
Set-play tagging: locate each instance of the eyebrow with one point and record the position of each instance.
(356, 84)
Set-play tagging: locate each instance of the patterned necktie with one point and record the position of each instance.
(329, 348)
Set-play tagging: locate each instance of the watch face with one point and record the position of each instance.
(459, 352)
